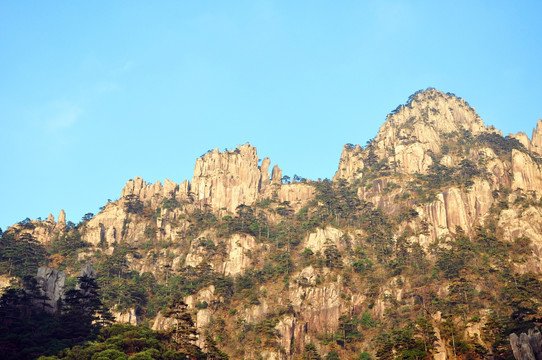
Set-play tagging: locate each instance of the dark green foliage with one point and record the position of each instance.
(67, 244)
(27, 224)
(379, 230)
(170, 203)
(266, 327)
(402, 344)
(339, 201)
(224, 286)
(361, 265)
(247, 221)
(407, 214)
(201, 305)
(501, 145)
(348, 330)
(456, 259)
(245, 281)
(212, 350)
(28, 331)
(87, 217)
(379, 257)
(333, 355)
(20, 254)
(132, 204)
(364, 356)
(367, 320)
(121, 288)
(523, 294)
(310, 352)
(201, 220)
(439, 176)
(332, 256)
(82, 307)
(123, 341)
(183, 334)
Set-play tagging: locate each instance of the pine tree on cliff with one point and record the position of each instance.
(183, 334)
(213, 352)
(83, 309)
(311, 352)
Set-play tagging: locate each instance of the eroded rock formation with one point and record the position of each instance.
(527, 346)
(231, 178)
(51, 285)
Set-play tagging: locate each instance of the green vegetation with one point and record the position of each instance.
(20, 254)
(28, 330)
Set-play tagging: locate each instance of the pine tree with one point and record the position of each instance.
(311, 352)
(83, 309)
(213, 352)
(183, 334)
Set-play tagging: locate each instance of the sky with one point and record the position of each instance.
(94, 93)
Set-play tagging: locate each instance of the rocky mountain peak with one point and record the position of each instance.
(414, 131)
(445, 112)
(536, 140)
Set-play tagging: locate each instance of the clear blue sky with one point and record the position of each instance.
(93, 93)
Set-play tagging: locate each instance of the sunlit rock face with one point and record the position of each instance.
(411, 133)
(228, 179)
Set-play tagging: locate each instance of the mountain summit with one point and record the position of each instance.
(414, 131)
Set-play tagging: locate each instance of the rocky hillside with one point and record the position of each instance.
(427, 243)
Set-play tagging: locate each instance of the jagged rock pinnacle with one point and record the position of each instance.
(230, 178)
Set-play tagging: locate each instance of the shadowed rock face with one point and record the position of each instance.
(527, 346)
(88, 270)
(51, 284)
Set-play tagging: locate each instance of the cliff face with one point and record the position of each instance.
(226, 180)
(51, 286)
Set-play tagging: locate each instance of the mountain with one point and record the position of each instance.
(427, 243)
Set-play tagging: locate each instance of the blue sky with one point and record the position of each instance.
(95, 93)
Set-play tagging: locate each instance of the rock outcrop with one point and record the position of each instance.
(350, 164)
(61, 219)
(411, 134)
(323, 238)
(239, 254)
(153, 194)
(527, 174)
(108, 226)
(414, 131)
(88, 271)
(536, 140)
(231, 178)
(51, 286)
(415, 134)
(128, 317)
(527, 346)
